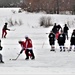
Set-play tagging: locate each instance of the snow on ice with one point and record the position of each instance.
(45, 62)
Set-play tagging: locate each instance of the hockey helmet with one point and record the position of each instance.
(19, 41)
(26, 36)
(6, 23)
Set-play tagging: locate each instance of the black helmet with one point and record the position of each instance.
(74, 30)
(19, 42)
(6, 23)
(65, 24)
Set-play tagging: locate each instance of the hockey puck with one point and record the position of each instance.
(10, 59)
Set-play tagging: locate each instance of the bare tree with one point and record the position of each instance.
(49, 6)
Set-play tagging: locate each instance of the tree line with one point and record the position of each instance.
(9, 3)
(50, 6)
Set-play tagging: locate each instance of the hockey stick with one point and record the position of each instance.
(15, 58)
(47, 33)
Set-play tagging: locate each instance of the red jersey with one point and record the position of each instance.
(28, 43)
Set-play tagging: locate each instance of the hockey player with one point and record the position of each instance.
(23, 45)
(4, 30)
(72, 40)
(54, 29)
(1, 60)
(57, 34)
(29, 47)
(61, 41)
(65, 30)
(52, 41)
(59, 30)
(59, 27)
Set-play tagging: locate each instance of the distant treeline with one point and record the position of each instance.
(10, 3)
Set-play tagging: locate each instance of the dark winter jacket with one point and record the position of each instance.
(61, 39)
(72, 40)
(5, 27)
(54, 29)
(65, 29)
(51, 38)
(59, 27)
